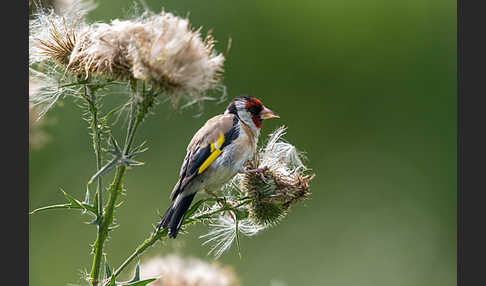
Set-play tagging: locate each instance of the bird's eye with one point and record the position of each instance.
(255, 110)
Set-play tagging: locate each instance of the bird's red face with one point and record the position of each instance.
(257, 111)
(250, 110)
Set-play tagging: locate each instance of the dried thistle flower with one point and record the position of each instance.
(52, 35)
(51, 39)
(160, 49)
(170, 54)
(269, 194)
(174, 270)
(281, 185)
(225, 229)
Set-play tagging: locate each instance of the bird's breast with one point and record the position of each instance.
(231, 161)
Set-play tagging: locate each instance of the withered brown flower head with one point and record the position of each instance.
(284, 182)
(269, 194)
(60, 45)
(162, 50)
(52, 35)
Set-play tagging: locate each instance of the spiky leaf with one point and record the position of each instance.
(73, 204)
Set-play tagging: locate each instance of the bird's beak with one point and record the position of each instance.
(267, 114)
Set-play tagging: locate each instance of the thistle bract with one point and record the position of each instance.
(281, 185)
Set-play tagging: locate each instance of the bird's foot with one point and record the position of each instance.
(219, 201)
(259, 171)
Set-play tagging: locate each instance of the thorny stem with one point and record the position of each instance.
(90, 97)
(107, 219)
(141, 248)
(156, 235)
(136, 117)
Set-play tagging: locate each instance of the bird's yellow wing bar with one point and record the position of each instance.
(215, 152)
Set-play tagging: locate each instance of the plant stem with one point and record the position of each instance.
(105, 223)
(136, 116)
(91, 99)
(141, 248)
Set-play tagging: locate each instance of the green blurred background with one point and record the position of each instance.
(367, 90)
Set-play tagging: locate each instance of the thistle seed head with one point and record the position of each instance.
(168, 53)
(267, 196)
(52, 36)
(102, 50)
(160, 49)
(225, 229)
(284, 182)
(174, 270)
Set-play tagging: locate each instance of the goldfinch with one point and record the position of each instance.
(216, 153)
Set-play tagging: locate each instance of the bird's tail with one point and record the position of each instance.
(172, 218)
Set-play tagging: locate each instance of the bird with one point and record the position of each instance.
(216, 153)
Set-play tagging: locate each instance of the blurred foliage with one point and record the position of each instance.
(367, 90)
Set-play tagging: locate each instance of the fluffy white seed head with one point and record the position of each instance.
(284, 182)
(224, 231)
(173, 270)
(160, 49)
(281, 156)
(169, 52)
(52, 34)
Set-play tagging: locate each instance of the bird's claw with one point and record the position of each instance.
(260, 171)
(257, 170)
(219, 201)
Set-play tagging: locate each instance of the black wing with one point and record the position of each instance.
(196, 158)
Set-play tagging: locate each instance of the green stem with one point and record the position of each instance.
(136, 116)
(107, 219)
(141, 248)
(95, 126)
(90, 98)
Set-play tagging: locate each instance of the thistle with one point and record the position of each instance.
(173, 270)
(267, 196)
(52, 35)
(225, 229)
(160, 49)
(283, 183)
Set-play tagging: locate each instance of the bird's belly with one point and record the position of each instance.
(228, 164)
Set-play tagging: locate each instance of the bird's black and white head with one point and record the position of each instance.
(251, 111)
